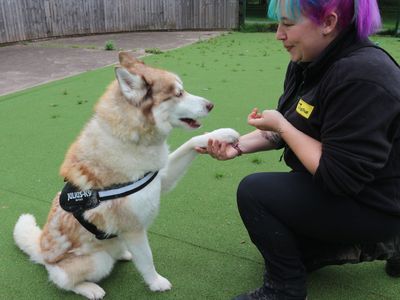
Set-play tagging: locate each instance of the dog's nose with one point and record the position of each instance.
(209, 106)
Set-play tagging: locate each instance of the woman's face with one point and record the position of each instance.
(303, 39)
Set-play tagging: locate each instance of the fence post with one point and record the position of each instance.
(242, 12)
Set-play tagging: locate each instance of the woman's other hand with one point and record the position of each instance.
(268, 120)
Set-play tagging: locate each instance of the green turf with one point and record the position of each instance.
(198, 241)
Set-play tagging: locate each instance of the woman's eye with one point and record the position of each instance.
(286, 22)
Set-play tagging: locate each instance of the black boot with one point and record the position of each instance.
(262, 293)
(392, 267)
(266, 293)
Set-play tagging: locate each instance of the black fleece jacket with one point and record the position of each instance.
(349, 100)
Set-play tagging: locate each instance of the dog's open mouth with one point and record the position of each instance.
(191, 122)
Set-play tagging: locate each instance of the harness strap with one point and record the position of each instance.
(99, 234)
(122, 190)
(76, 201)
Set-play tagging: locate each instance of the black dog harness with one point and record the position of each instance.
(76, 201)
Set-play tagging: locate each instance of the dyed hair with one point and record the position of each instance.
(364, 13)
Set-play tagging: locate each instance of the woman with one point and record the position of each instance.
(338, 120)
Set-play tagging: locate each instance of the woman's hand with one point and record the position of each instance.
(268, 120)
(218, 150)
(307, 149)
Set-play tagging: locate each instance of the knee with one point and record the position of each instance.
(244, 196)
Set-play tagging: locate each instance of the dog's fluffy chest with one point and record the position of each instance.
(144, 205)
(133, 159)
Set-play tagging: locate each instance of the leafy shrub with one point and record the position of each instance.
(259, 27)
(109, 46)
(153, 51)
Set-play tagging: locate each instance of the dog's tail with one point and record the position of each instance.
(27, 237)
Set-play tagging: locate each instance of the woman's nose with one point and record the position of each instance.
(280, 34)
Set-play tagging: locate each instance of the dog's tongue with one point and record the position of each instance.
(192, 123)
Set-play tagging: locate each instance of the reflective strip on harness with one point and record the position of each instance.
(76, 201)
(130, 188)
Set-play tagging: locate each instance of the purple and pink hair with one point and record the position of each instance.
(365, 13)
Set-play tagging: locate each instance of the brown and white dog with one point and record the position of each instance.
(123, 141)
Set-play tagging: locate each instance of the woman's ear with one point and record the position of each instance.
(330, 23)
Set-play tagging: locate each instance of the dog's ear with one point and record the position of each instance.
(132, 86)
(127, 60)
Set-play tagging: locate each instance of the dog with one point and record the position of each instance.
(115, 172)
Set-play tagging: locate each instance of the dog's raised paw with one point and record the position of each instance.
(160, 284)
(227, 135)
(89, 290)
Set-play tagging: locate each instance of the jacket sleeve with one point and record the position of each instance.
(357, 133)
(289, 80)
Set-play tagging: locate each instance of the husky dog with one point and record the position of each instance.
(115, 172)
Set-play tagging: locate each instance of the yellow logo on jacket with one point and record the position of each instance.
(304, 109)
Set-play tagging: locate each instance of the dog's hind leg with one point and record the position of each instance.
(180, 159)
(78, 274)
(138, 245)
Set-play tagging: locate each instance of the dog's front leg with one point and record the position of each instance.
(180, 159)
(178, 162)
(142, 257)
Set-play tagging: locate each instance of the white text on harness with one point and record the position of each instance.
(78, 196)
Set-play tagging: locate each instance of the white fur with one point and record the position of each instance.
(131, 84)
(27, 235)
(180, 159)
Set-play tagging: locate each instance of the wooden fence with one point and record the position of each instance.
(34, 19)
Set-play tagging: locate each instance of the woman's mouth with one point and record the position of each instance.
(288, 48)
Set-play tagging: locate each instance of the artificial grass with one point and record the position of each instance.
(198, 240)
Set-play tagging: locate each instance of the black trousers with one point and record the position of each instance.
(284, 211)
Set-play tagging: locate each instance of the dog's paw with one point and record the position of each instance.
(160, 284)
(227, 135)
(89, 290)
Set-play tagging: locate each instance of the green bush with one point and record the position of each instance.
(259, 27)
(109, 46)
(153, 51)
